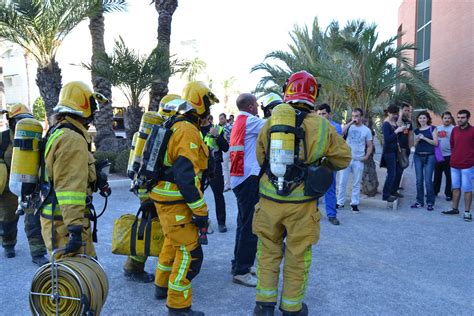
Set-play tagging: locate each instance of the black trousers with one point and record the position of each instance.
(217, 186)
(398, 175)
(245, 241)
(441, 167)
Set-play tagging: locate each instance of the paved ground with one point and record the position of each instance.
(377, 262)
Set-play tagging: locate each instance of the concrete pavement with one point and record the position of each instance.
(377, 262)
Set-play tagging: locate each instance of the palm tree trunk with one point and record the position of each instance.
(370, 182)
(132, 118)
(103, 118)
(49, 82)
(159, 88)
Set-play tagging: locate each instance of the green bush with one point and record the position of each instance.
(121, 162)
(110, 155)
(39, 111)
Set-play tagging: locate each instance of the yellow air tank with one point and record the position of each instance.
(26, 157)
(149, 119)
(130, 172)
(282, 141)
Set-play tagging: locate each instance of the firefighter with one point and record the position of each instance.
(268, 102)
(286, 202)
(180, 202)
(9, 202)
(69, 177)
(214, 137)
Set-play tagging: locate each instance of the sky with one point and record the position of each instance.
(230, 36)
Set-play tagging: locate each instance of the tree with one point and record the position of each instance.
(355, 71)
(159, 88)
(104, 117)
(39, 111)
(40, 27)
(133, 74)
(229, 90)
(192, 68)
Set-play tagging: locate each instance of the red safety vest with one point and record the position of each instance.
(237, 143)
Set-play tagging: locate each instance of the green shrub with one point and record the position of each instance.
(110, 155)
(121, 162)
(39, 111)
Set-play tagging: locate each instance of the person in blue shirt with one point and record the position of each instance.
(324, 110)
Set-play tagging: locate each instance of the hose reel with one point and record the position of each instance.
(69, 286)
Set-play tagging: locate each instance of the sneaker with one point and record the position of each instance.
(39, 260)
(253, 270)
(449, 198)
(9, 251)
(355, 209)
(467, 216)
(339, 206)
(210, 230)
(222, 229)
(453, 211)
(391, 198)
(245, 279)
(416, 205)
(161, 293)
(430, 207)
(333, 220)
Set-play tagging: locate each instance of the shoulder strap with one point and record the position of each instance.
(5, 143)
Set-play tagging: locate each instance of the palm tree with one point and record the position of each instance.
(192, 68)
(104, 117)
(355, 72)
(228, 86)
(133, 74)
(39, 27)
(159, 88)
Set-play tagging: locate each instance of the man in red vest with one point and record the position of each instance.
(244, 170)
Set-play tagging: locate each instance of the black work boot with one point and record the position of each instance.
(302, 312)
(183, 312)
(161, 293)
(135, 271)
(39, 260)
(264, 309)
(9, 251)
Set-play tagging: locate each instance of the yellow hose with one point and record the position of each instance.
(77, 277)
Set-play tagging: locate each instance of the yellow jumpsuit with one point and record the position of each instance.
(296, 213)
(70, 166)
(177, 201)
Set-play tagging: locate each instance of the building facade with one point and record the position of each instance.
(443, 32)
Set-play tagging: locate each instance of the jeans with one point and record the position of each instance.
(424, 166)
(330, 198)
(356, 168)
(245, 248)
(393, 170)
(217, 186)
(441, 167)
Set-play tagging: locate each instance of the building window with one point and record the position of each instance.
(425, 74)
(423, 31)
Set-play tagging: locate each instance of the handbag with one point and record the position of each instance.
(437, 150)
(402, 157)
(137, 236)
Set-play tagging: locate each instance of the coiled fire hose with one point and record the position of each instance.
(69, 286)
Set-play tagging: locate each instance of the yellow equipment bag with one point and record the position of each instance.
(137, 236)
(3, 176)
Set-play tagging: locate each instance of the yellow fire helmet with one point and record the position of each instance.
(167, 112)
(18, 111)
(77, 98)
(200, 97)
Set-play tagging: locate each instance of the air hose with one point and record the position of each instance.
(69, 286)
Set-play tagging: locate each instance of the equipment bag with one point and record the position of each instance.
(137, 236)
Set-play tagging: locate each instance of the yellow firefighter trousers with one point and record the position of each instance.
(61, 236)
(180, 258)
(301, 222)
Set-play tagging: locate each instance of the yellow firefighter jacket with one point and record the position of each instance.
(71, 169)
(322, 140)
(186, 157)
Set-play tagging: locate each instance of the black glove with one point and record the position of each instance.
(202, 222)
(102, 183)
(75, 239)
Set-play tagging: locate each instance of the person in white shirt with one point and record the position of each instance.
(358, 137)
(244, 170)
(444, 137)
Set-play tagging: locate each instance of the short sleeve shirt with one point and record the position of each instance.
(357, 138)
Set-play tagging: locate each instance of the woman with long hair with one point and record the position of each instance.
(426, 139)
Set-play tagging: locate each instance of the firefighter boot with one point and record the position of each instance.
(161, 293)
(302, 312)
(39, 260)
(134, 270)
(183, 312)
(264, 309)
